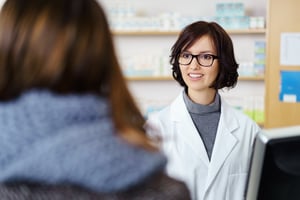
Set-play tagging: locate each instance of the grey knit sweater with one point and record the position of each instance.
(52, 139)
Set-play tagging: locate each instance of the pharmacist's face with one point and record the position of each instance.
(199, 78)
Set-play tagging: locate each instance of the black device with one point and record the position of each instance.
(274, 172)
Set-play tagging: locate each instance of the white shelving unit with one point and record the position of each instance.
(153, 91)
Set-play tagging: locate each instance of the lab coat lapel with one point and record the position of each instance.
(224, 143)
(186, 129)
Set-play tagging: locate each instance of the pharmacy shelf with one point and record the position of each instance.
(251, 78)
(261, 124)
(174, 33)
(168, 78)
(247, 31)
(150, 78)
(162, 32)
(145, 33)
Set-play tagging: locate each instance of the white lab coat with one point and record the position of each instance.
(224, 176)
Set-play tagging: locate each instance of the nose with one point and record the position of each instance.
(194, 64)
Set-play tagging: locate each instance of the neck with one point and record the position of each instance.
(204, 97)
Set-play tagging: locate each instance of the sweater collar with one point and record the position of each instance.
(202, 109)
(41, 112)
(58, 139)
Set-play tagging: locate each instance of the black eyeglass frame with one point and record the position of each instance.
(214, 57)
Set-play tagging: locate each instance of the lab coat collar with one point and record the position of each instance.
(224, 143)
(186, 129)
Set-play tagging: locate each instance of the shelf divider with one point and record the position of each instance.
(169, 78)
(175, 32)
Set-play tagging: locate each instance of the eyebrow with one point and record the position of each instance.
(202, 52)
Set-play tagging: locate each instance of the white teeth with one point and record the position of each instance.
(195, 75)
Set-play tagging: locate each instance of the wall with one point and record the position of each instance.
(282, 95)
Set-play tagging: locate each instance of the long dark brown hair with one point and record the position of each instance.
(64, 46)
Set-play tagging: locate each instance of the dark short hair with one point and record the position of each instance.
(228, 66)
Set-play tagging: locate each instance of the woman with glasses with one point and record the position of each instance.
(208, 143)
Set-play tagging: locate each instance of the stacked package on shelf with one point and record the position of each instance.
(255, 68)
(259, 57)
(231, 15)
(146, 65)
(254, 108)
(259, 107)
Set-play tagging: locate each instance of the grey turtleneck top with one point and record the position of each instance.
(206, 119)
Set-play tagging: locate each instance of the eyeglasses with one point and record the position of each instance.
(203, 59)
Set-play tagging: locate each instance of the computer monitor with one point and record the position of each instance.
(275, 165)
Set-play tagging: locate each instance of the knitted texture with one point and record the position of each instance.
(158, 187)
(55, 139)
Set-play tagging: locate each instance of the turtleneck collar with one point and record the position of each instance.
(200, 109)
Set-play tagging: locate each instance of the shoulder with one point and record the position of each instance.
(161, 115)
(240, 123)
(157, 123)
(168, 113)
(232, 112)
(233, 115)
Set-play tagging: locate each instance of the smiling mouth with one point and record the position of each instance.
(195, 75)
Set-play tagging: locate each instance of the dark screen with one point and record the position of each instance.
(280, 177)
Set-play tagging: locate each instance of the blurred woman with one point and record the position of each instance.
(66, 115)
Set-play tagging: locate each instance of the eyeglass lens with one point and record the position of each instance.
(205, 60)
